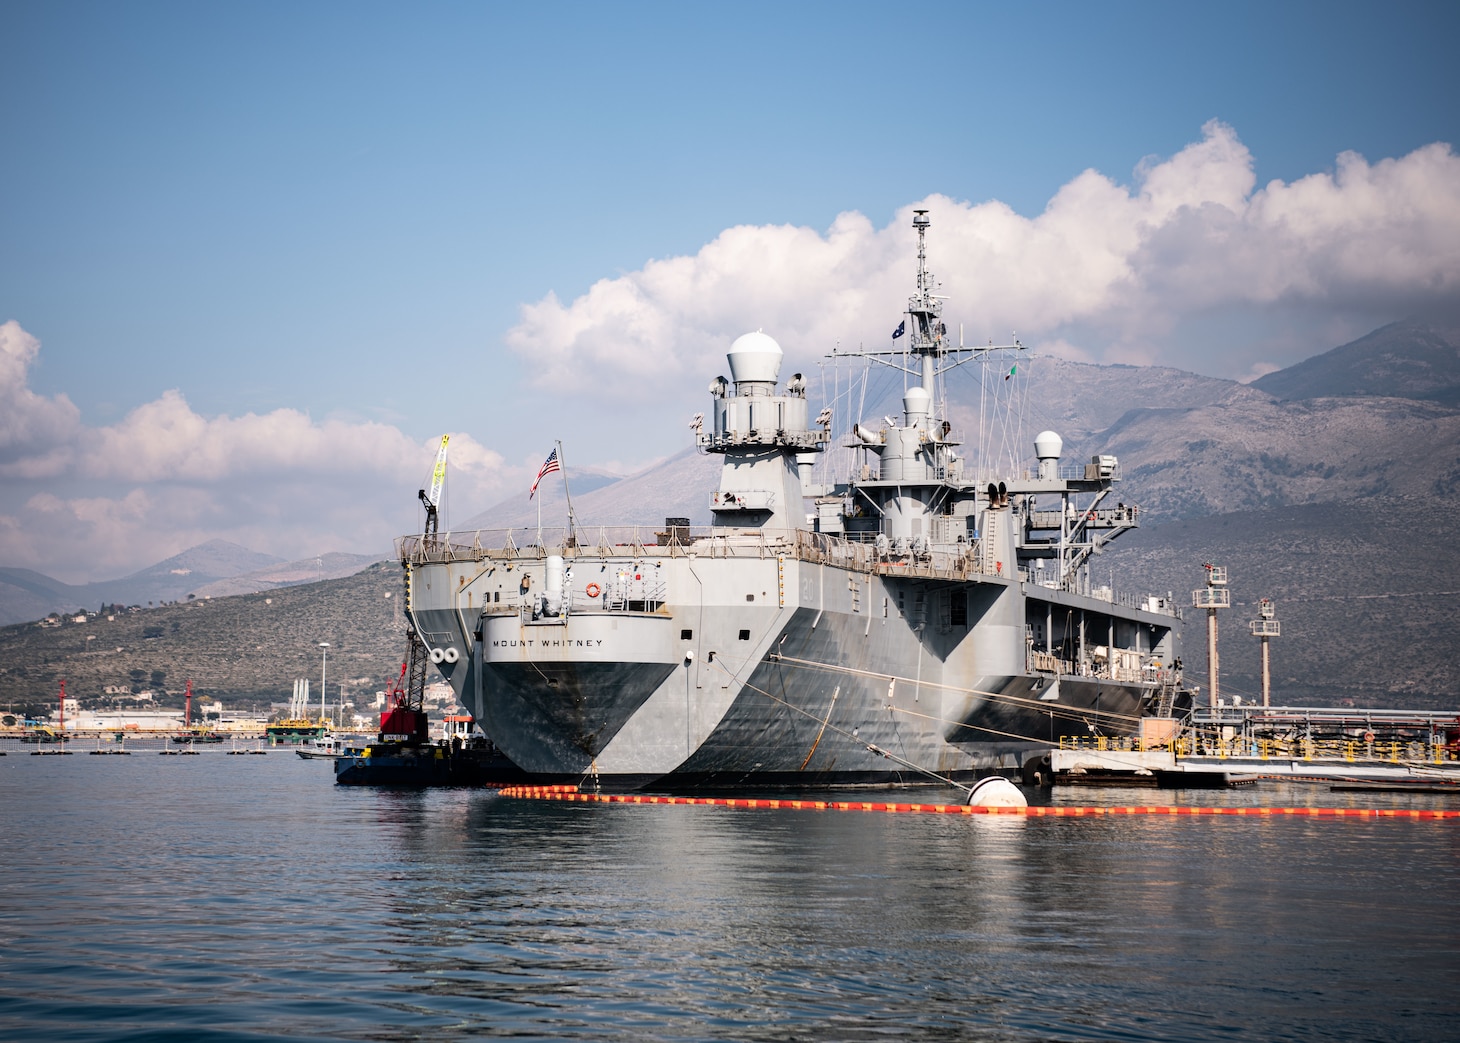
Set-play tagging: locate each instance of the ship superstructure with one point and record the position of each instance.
(914, 618)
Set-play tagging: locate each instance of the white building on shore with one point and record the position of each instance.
(121, 720)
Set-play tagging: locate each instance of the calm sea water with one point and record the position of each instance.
(231, 898)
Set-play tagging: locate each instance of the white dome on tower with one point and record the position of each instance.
(1048, 446)
(755, 357)
(915, 402)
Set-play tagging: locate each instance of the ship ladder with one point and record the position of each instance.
(990, 542)
(1166, 699)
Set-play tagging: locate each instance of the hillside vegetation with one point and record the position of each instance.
(243, 649)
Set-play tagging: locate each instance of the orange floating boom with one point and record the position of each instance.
(571, 793)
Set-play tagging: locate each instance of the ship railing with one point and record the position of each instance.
(1347, 751)
(615, 595)
(1312, 719)
(1419, 754)
(528, 542)
(1076, 584)
(1095, 666)
(1117, 743)
(627, 595)
(855, 551)
(942, 561)
(1048, 663)
(1127, 674)
(1122, 516)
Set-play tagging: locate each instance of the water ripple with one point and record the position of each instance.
(222, 898)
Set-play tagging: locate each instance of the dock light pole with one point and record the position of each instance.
(1212, 597)
(1265, 628)
(324, 657)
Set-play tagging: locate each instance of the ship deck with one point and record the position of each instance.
(962, 565)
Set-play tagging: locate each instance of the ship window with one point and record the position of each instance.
(686, 635)
(497, 595)
(745, 635)
(750, 597)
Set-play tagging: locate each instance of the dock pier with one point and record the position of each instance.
(1227, 745)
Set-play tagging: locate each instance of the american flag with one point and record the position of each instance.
(548, 467)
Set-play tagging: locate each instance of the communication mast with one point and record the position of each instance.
(1264, 628)
(1211, 597)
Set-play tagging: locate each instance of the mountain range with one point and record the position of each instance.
(213, 569)
(1331, 487)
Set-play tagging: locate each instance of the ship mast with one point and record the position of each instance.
(925, 310)
(928, 338)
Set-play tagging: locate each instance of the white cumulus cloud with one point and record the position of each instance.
(36, 432)
(85, 503)
(1112, 271)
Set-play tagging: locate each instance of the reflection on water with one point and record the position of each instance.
(234, 898)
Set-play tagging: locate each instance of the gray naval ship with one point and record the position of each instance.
(921, 622)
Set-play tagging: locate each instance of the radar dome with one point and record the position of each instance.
(1048, 446)
(754, 357)
(915, 402)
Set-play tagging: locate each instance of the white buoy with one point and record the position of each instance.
(996, 792)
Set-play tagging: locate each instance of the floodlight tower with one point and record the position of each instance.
(324, 659)
(1264, 628)
(1211, 597)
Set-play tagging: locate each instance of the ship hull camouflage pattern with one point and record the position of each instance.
(747, 663)
(922, 619)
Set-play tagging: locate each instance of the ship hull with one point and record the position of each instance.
(760, 668)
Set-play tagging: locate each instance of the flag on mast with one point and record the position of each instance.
(548, 467)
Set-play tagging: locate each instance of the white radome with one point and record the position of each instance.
(755, 356)
(1048, 446)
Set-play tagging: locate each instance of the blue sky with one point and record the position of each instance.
(329, 218)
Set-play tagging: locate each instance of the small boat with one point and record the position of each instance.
(295, 731)
(197, 735)
(325, 748)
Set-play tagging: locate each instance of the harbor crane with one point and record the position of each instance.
(438, 482)
(404, 719)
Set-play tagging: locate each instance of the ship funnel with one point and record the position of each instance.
(755, 362)
(1047, 448)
